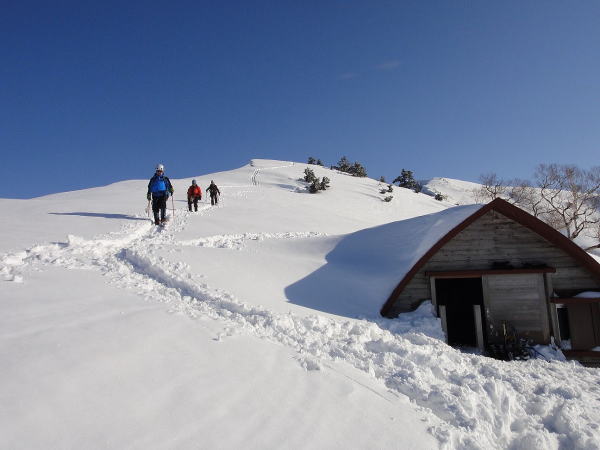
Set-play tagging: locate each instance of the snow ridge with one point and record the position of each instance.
(236, 241)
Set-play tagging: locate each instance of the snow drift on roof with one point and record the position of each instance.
(382, 254)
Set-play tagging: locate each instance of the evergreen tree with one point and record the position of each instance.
(343, 164)
(311, 160)
(357, 170)
(309, 175)
(315, 186)
(406, 180)
(319, 162)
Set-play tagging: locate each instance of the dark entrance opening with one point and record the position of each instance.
(459, 295)
(563, 323)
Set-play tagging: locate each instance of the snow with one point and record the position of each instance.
(588, 294)
(457, 192)
(253, 324)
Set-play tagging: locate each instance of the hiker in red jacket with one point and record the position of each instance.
(194, 194)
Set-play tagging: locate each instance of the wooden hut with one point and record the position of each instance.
(499, 266)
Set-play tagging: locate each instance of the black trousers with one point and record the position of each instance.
(214, 199)
(159, 204)
(193, 200)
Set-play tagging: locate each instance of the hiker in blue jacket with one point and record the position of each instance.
(159, 189)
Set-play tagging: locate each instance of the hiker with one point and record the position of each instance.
(159, 189)
(194, 194)
(214, 192)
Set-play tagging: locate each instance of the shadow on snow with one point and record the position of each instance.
(364, 267)
(103, 215)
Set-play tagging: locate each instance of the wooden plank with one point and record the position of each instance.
(582, 327)
(478, 273)
(498, 254)
(519, 299)
(433, 293)
(574, 300)
(444, 322)
(479, 327)
(490, 332)
(552, 311)
(577, 271)
(581, 353)
(555, 325)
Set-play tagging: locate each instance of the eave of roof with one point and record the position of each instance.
(512, 212)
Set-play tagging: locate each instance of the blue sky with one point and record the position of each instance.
(96, 92)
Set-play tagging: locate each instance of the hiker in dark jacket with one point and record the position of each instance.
(194, 194)
(214, 192)
(159, 189)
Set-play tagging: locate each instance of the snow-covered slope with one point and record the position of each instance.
(457, 192)
(251, 324)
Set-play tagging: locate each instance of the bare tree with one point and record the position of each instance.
(571, 197)
(492, 188)
(594, 234)
(523, 194)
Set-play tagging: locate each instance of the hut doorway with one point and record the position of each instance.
(460, 301)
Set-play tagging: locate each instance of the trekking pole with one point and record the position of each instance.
(148, 209)
(173, 205)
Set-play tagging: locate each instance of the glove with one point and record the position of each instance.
(171, 190)
(149, 196)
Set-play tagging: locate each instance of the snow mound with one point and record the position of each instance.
(364, 267)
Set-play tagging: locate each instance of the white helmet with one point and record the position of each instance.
(160, 167)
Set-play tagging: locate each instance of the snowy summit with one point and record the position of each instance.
(254, 323)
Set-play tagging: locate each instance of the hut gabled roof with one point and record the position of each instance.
(512, 212)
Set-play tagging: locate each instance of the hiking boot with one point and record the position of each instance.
(156, 222)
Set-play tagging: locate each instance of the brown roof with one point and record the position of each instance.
(512, 212)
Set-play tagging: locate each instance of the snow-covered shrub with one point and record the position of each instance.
(309, 175)
(318, 185)
(315, 186)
